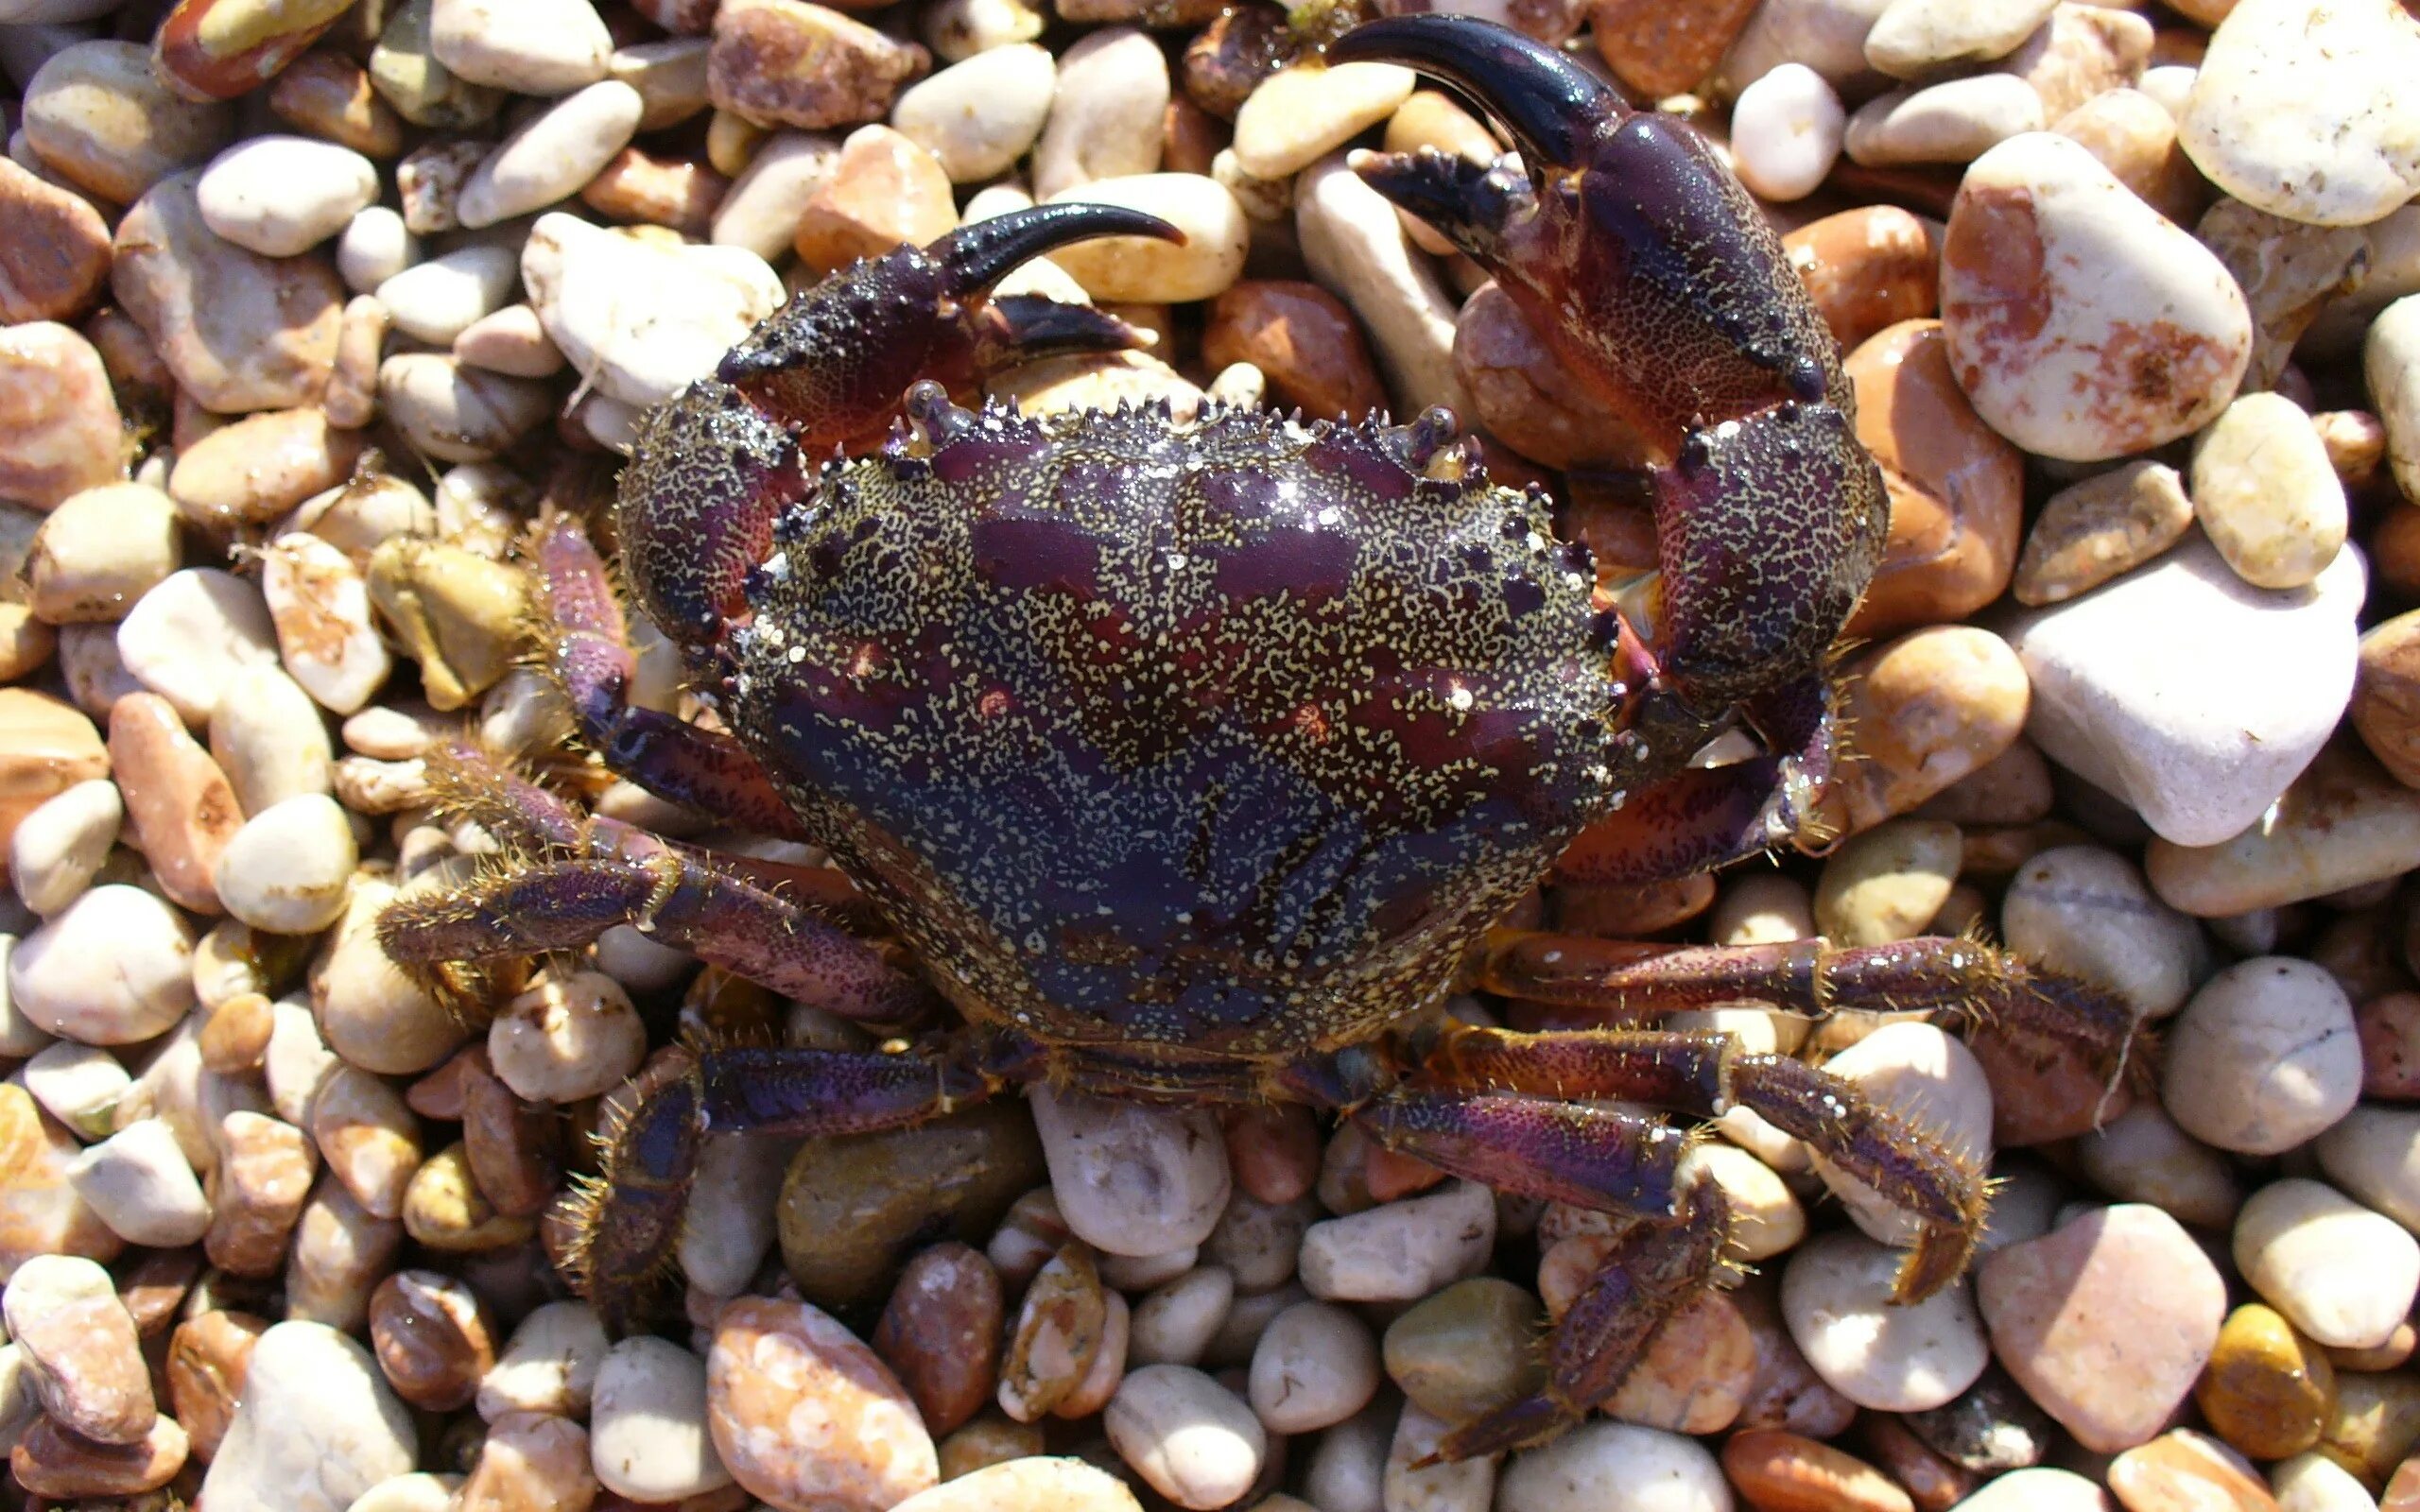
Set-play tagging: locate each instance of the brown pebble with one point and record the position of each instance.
(1190, 137)
(1931, 1481)
(1784, 1390)
(805, 65)
(1868, 268)
(1302, 338)
(2393, 1354)
(446, 1210)
(367, 1137)
(207, 1357)
(54, 250)
(1527, 397)
(182, 807)
(218, 49)
(1226, 61)
(155, 1286)
(2094, 529)
(940, 1333)
(264, 1176)
(433, 1337)
(2082, 52)
(2185, 1471)
(59, 430)
(1929, 708)
(326, 95)
(1957, 489)
(2266, 1390)
(2134, 138)
(990, 1440)
(514, 1147)
(1785, 1472)
(636, 186)
(39, 1213)
(1057, 1332)
(2289, 272)
(2375, 1425)
(249, 472)
(2390, 1030)
(530, 1462)
(2386, 695)
(46, 746)
(51, 1462)
(884, 190)
(1660, 47)
(235, 1035)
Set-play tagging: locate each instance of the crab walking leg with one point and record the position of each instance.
(669, 757)
(1598, 1158)
(1706, 1075)
(674, 898)
(1968, 983)
(629, 1216)
(714, 468)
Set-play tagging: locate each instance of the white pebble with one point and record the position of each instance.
(2342, 1274)
(319, 603)
(79, 1084)
(438, 300)
(1132, 1179)
(1186, 1435)
(1836, 1301)
(267, 735)
(978, 116)
(188, 637)
(550, 1364)
(562, 1040)
(281, 195)
(551, 157)
(60, 846)
(1316, 1365)
(2263, 1057)
(1300, 114)
(376, 245)
(1175, 1324)
(1786, 132)
(285, 870)
(141, 1184)
(646, 1426)
(528, 46)
(1402, 1252)
(1207, 263)
(114, 967)
(1612, 1467)
(316, 1427)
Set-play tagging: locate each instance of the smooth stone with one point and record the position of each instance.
(2373, 1153)
(1186, 1435)
(1401, 1251)
(549, 158)
(2106, 1321)
(319, 603)
(1132, 1179)
(438, 300)
(549, 1364)
(59, 426)
(41, 1213)
(647, 1425)
(2088, 910)
(1885, 883)
(2135, 137)
(1927, 1079)
(1468, 1348)
(2342, 1274)
(115, 967)
(1867, 269)
(1957, 121)
(2141, 1156)
(286, 869)
(2263, 1057)
(60, 846)
(316, 1427)
(2102, 527)
(1315, 1365)
(641, 320)
(1302, 112)
(1835, 1298)
(140, 1183)
(1932, 707)
(1786, 132)
(1790, 1473)
(1356, 245)
(2123, 695)
(2268, 1391)
(1911, 38)
(529, 46)
(2266, 493)
(1607, 1467)
(978, 117)
(98, 115)
(2344, 823)
(2080, 323)
(2039, 1489)
(1105, 112)
(457, 413)
(1142, 269)
(1175, 1324)
(282, 195)
(2391, 363)
(793, 64)
(2305, 110)
(79, 1349)
(804, 1414)
(2311, 1482)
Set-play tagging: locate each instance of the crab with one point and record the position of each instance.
(1197, 762)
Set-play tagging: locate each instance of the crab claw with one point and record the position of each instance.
(713, 467)
(1652, 274)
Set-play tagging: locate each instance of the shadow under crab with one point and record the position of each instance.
(1192, 762)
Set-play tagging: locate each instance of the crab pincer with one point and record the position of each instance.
(1652, 274)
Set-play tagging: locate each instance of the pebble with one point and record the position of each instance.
(851, 1205)
(978, 116)
(884, 190)
(2081, 323)
(1302, 112)
(1608, 1467)
(2343, 1275)
(549, 1364)
(318, 603)
(316, 1427)
(1355, 244)
(1656, 49)
(59, 848)
(1786, 1473)
(1868, 268)
(456, 413)
(2183, 1468)
(1467, 1348)
(1931, 706)
(2106, 1320)
(96, 114)
(1186, 1435)
(58, 425)
(368, 1136)
(182, 808)
(1105, 112)
(263, 1181)
(1031, 1483)
(259, 467)
(1913, 37)
(2266, 494)
(2373, 1154)
(2102, 527)
(1175, 1324)
(2375, 1425)
(528, 1463)
(1836, 1301)
(1315, 1365)
(1885, 883)
(375, 246)
(1957, 121)
(40, 1211)
(2391, 363)
(2135, 137)
(2141, 1156)
(802, 1414)
(101, 550)
(2088, 910)
(639, 319)
(2290, 271)
(140, 1183)
(2122, 696)
(647, 1427)
(267, 736)
(2268, 1391)
(46, 748)
(113, 968)
(2313, 1483)
(1787, 129)
(1469, 1485)
(1929, 1079)
(2039, 1489)
(799, 64)
(551, 156)
(510, 340)
(82, 1085)
(760, 211)
(940, 1333)
(438, 300)
(566, 1039)
(445, 1209)
(1698, 1372)
(79, 1349)
(1957, 489)
(2080, 52)
(1401, 1251)
(433, 1337)
(528, 46)
(51, 1461)
(1063, 1328)
(324, 93)
(1302, 340)
(2299, 108)
(54, 253)
(240, 332)
(1132, 1179)
(282, 195)
(1140, 269)
(2263, 1057)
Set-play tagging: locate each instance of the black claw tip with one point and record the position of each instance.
(1549, 103)
(975, 257)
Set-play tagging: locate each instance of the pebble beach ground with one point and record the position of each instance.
(311, 306)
